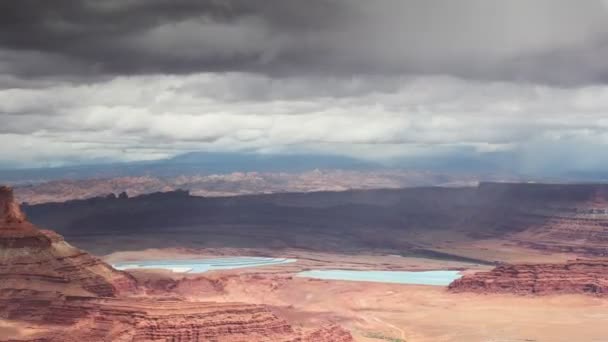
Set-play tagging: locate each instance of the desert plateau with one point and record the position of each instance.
(502, 247)
(303, 171)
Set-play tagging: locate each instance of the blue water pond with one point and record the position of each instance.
(400, 277)
(202, 265)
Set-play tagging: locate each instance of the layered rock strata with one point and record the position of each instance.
(147, 320)
(139, 319)
(40, 260)
(572, 277)
(72, 296)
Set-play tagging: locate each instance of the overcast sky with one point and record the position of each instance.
(82, 81)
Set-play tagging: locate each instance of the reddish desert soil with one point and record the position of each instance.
(17, 330)
(429, 313)
(377, 312)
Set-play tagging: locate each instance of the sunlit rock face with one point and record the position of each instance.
(572, 277)
(71, 295)
(9, 209)
(41, 260)
(15, 230)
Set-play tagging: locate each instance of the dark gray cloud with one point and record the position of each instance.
(543, 41)
(414, 79)
(150, 36)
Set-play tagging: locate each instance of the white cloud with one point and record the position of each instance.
(144, 117)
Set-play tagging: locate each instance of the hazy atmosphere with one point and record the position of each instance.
(517, 82)
(303, 170)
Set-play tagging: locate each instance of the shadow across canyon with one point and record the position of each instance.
(399, 221)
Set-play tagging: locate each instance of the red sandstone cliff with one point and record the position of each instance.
(32, 259)
(72, 296)
(577, 276)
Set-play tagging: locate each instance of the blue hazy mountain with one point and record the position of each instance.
(190, 164)
(205, 163)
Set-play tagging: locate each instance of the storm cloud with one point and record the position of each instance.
(547, 41)
(140, 79)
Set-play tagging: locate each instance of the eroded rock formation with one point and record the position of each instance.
(330, 333)
(72, 296)
(40, 260)
(9, 209)
(141, 319)
(576, 276)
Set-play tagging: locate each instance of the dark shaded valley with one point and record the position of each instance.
(562, 218)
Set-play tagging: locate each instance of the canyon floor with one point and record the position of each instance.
(533, 259)
(375, 312)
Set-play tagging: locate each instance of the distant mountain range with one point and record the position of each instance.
(487, 166)
(236, 183)
(194, 163)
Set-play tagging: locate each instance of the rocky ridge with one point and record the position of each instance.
(40, 260)
(232, 184)
(74, 296)
(573, 277)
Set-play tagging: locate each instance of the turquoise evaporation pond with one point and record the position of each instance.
(400, 277)
(202, 265)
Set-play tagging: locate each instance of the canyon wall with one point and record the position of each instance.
(572, 277)
(69, 295)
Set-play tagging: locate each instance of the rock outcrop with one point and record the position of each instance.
(572, 277)
(40, 260)
(330, 333)
(69, 295)
(141, 319)
(147, 319)
(9, 209)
